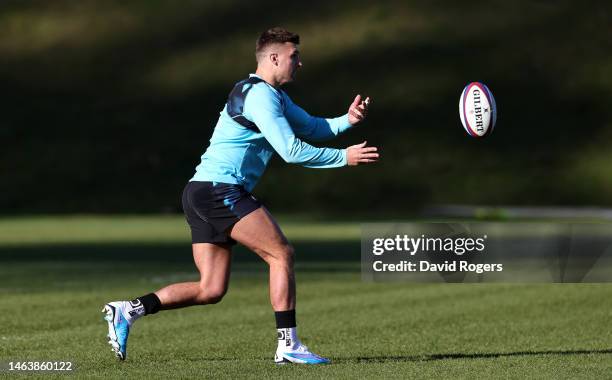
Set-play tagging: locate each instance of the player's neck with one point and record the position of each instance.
(268, 77)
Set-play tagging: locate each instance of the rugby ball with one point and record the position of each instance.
(477, 110)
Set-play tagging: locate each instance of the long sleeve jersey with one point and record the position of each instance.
(257, 121)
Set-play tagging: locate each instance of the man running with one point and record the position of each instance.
(258, 119)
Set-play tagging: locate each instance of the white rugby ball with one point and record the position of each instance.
(477, 110)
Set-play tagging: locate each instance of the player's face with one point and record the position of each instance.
(288, 62)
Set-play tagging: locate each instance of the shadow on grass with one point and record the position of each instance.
(85, 266)
(170, 253)
(435, 357)
(484, 355)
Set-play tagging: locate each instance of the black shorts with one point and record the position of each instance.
(211, 208)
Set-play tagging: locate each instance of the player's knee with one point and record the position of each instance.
(285, 254)
(215, 298)
(289, 253)
(211, 295)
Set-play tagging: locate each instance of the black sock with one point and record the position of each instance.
(151, 303)
(285, 319)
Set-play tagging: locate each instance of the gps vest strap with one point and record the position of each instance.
(235, 102)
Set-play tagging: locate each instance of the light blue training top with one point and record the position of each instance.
(239, 155)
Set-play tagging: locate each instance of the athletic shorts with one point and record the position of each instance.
(211, 208)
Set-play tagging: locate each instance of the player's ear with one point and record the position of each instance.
(274, 58)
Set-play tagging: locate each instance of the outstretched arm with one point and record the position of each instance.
(321, 129)
(264, 108)
(266, 112)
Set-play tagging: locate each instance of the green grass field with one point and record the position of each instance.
(56, 273)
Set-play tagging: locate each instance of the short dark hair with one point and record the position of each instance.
(273, 36)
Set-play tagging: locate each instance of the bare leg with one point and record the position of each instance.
(259, 232)
(213, 262)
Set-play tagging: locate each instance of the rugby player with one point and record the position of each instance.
(258, 120)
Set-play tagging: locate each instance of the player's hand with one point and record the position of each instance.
(361, 154)
(358, 110)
